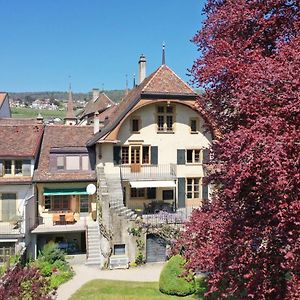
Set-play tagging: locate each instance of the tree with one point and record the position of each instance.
(248, 238)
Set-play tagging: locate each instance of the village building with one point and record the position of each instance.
(65, 187)
(151, 159)
(19, 148)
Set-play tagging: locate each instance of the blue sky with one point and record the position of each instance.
(95, 41)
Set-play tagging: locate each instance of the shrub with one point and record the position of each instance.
(172, 280)
(52, 253)
(200, 285)
(59, 278)
(24, 283)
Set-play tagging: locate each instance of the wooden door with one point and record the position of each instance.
(135, 159)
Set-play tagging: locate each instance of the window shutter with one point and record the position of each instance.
(181, 192)
(206, 152)
(117, 155)
(180, 156)
(26, 167)
(1, 167)
(204, 189)
(154, 155)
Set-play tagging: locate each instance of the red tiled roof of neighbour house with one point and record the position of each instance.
(162, 82)
(63, 137)
(2, 98)
(107, 113)
(102, 103)
(20, 138)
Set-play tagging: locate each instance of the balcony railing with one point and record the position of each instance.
(161, 171)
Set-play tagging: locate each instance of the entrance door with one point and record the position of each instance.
(84, 205)
(135, 159)
(155, 248)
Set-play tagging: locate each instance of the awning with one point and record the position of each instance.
(73, 191)
(145, 184)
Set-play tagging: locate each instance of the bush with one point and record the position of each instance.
(59, 278)
(52, 253)
(172, 280)
(200, 285)
(24, 283)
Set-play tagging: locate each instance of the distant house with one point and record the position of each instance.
(19, 148)
(99, 103)
(66, 207)
(4, 106)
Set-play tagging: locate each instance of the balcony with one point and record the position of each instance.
(10, 228)
(146, 172)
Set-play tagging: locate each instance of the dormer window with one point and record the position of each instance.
(165, 118)
(15, 167)
(72, 162)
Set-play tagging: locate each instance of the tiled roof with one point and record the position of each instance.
(162, 82)
(20, 139)
(2, 98)
(107, 113)
(16, 180)
(100, 104)
(62, 136)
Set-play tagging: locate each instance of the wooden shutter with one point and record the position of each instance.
(26, 167)
(117, 155)
(206, 152)
(1, 167)
(180, 156)
(181, 192)
(154, 155)
(204, 189)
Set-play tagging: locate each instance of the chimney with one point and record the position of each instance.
(96, 94)
(40, 119)
(96, 122)
(142, 68)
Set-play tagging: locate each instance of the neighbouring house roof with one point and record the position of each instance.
(163, 83)
(64, 138)
(20, 139)
(105, 115)
(100, 104)
(2, 98)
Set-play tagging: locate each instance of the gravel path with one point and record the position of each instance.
(84, 273)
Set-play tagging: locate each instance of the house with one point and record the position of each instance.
(99, 103)
(19, 149)
(66, 191)
(151, 159)
(4, 106)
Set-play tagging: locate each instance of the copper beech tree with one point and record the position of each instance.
(247, 239)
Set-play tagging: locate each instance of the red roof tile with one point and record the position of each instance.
(21, 139)
(62, 136)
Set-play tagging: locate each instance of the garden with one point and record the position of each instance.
(37, 279)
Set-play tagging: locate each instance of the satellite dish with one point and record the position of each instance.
(91, 189)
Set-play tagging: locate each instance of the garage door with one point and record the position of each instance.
(155, 248)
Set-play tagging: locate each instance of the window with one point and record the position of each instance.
(73, 163)
(9, 207)
(151, 193)
(193, 187)
(194, 125)
(193, 156)
(168, 195)
(18, 167)
(47, 202)
(119, 249)
(60, 163)
(6, 250)
(8, 167)
(135, 154)
(137, 193)
(85, 162)
(60, 203)
(135, 125)
(125, 155)
(84, 203)
(165, 118)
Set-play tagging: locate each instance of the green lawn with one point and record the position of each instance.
(122, 290)
(26, 112)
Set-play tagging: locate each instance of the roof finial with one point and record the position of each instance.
(70, 85)
(163, 62)
(134, 85)
(102, 87)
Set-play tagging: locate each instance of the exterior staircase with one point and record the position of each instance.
(93, 245)
(111, 184)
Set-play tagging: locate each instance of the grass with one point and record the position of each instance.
(26, 112)
(122, 290)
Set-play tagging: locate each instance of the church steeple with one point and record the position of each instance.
(70, 118)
